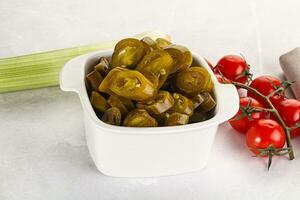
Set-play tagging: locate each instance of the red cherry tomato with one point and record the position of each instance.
(234, 68)
(243, 124)
(295, 133)
(289, 110)
(222, 79)
(265, 132)
(266, 84)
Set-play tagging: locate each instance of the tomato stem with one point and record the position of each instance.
(257, 109)
(296, 126)
(270, 160)
(273, 110)
(271, 151)
(275, 92)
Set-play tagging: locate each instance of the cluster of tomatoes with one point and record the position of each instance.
(255, 117)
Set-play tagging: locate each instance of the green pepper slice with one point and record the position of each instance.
(197, 117)
(209, 103)
(124, 105)
(94, 79)
(108, 79)
(161, 103)
(176, 118)
(128, 52)
(98, 102)
(181, 55)
(161, 118)
(149, 44)
(192, 81)
(197, 100)
(182, 104)
(103, 66)
(129, 84)
(158, 62)
(161, 42)
(112, 116)
(152, 78)
(139, 118)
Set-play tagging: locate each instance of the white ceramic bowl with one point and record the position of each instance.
(145, 152)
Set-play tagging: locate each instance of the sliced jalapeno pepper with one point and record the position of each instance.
(98, 102)
(192, 81)
(128, 52)
(161, 103)
(161, 118)
(103, 66)
(182, 104)
(176, 118)
(158, 62)
(112, 116)
(94, 79)
(181, 55)
(209, 103)
(152, 78)
(149, 44)
(161, 42)
(130, 84)
(197, 100)
(197, 117)
(104, 86)
(137, 82)
(139, 118)
(124, 105)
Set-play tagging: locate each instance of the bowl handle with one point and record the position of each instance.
(70, 77)
(228, 101)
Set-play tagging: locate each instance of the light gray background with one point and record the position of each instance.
(43, 154)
